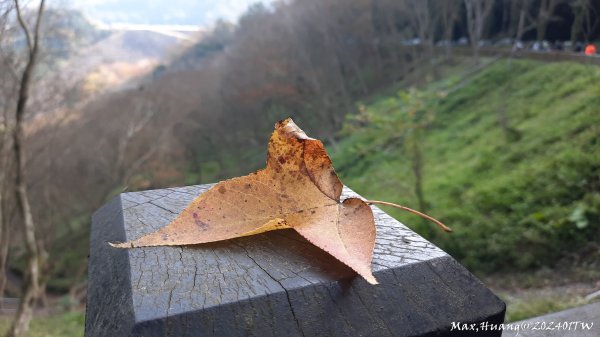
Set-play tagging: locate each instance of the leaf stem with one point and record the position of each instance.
(437, 222)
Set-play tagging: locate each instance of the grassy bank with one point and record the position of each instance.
(520, 196)
(62, 325)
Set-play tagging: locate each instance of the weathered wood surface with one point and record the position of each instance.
(273, 284)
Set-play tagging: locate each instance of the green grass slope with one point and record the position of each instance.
(59, 325)
(516, 200)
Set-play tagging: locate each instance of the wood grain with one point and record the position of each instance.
(272, 284)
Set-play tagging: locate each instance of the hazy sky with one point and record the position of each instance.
(182, 12)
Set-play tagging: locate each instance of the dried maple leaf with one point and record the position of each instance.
(298, 189)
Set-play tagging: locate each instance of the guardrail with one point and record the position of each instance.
(8, 306)
(544, 56)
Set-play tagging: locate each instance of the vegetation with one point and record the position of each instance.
(515, 201)
(60, 325)
(532, 307)
(546, 290)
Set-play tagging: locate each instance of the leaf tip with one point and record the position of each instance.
(371, 279)
(121, 245)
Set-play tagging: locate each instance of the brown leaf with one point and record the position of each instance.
(298, 189)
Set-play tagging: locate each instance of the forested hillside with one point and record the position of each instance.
(508, 158)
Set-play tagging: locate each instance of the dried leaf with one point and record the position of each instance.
(298, 189)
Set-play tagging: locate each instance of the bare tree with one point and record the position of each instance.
(5, 144)
(6, 86)
(582, 23)
(448, 13)
(420, 16)
(477, 12)
(545, 15)
(34, 260)
(523, 7)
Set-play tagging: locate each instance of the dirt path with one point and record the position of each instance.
(573, 282)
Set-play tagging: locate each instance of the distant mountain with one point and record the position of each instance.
(84, 62)
(122, 56)
(66, 31)
(113, 61)
(129, 46)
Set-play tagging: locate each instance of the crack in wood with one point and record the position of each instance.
(287, 294)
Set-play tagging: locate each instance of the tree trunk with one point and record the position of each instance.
(477, 13)
(3, 246)
(25, 311)
(4, 229)
(576, 27)
(417, 167)
(418, 172)
(518, 37)
(581, 11)
(4, 232)
(448, 19)
(31, 285)
(547, 8)
(503, 116)
(5, 168)
(74, 299)
(393, 47)
(541, 29)
(471, 23)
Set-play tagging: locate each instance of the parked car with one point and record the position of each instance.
(485, 43)
(518, 45)
(505, 42)
(463, 41)
(444, 43)
(541, 46)
(412, 42)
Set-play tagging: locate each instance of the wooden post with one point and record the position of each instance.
(273, 284)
